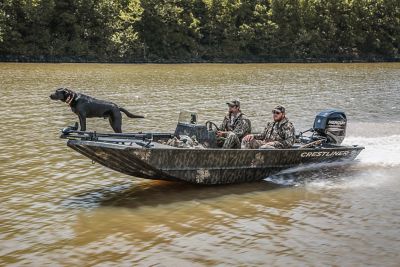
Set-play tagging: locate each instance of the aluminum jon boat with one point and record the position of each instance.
(146, 155)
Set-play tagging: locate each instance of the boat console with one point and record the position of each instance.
(203, 133)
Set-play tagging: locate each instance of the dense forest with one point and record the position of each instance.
(199, 30)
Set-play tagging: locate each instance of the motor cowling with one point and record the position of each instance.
(331, 124)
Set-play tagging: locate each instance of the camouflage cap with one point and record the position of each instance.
(279, 108)
(234, 103)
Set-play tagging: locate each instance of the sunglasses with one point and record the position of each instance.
(276, 112)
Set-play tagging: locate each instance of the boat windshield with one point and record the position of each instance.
(187, 117)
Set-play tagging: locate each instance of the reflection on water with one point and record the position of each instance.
(155, 192)
(59, 209)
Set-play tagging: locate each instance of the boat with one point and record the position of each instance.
(149, 155)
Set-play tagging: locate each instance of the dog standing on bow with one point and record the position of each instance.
(88, 107)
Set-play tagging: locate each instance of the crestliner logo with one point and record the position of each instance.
(324, 154)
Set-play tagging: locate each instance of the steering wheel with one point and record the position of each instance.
(211, 126)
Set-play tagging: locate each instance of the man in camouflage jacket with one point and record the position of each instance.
(234, 127)
(278, 134)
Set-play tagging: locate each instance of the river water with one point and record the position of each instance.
(58, 209)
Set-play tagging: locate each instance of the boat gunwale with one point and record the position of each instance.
(138, 147)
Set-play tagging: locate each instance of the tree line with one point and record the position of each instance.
(199, 30)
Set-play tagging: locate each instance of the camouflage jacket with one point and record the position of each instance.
(241, 126)
(281, 134)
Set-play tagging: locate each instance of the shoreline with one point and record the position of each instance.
(73, 59)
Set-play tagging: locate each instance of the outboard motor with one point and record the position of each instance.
(331, 124)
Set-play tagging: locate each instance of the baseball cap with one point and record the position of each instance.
(233, 103)
(279, 108)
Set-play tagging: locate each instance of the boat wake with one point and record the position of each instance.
(379, 151)
(381, 154)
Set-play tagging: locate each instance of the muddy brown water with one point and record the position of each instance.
(58, 209)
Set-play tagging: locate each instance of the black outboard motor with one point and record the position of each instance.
(331, 124)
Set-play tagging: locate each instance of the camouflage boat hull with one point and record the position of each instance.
(205, 166)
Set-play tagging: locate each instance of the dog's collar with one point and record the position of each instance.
(71, 98)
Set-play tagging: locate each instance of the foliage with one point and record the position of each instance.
(199, 30)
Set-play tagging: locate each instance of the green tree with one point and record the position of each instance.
(377, 26)
(125, 37)
(168, 29)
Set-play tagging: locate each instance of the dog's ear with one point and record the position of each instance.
(67, 92)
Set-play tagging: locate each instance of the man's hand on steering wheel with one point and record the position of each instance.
(211, 126)
(221, 133)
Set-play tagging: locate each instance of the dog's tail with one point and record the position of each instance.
(130, 115)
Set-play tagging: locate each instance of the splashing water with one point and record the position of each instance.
(382, 151)
(381, 154)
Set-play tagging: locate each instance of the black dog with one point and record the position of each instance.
(88, 107)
